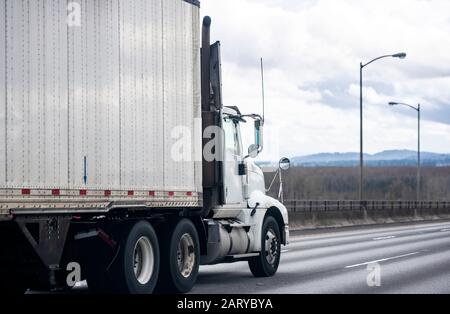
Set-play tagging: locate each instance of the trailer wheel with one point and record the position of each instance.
(266, 264)
(136, 267)
(180, 257)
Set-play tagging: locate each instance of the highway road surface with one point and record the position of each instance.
(401, 258)
(412, 258)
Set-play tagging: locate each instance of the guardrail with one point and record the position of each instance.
(324, 206)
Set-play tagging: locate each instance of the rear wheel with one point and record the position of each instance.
(266, 264)
(180, 257)
(136, 267)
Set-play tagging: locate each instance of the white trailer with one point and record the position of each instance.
(105, 112)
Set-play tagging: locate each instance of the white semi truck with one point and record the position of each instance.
(110, 157)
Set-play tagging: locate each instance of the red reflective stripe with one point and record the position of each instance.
(171, 193)
(26, 191)
(83, 192)
(108, 193)
(130, 193)
(189, 193)
(151, 193)
(56, 192)
(102, 235)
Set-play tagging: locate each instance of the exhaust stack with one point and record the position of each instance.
(206, 64)
(210, 70)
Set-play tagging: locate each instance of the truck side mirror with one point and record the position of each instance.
(259, 134)
(285, 164)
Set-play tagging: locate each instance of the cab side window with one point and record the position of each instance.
(231, 136)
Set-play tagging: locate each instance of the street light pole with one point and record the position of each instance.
(418, 153)
(361, 134)
(418, 109)
(361, 129)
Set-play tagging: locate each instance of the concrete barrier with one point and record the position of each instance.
(342, 218)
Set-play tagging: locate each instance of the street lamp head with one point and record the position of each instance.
(401, 55)
(393, 104)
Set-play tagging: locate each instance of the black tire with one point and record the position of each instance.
(121, 276)
(260, 265)
(95, 258)
(171, 279)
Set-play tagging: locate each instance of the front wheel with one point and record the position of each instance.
(266, 264)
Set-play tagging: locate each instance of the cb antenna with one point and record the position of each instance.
(262, 90)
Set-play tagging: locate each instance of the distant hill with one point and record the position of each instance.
(386, 158)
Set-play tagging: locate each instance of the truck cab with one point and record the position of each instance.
(233, 185)
(242, 176)
(249, 224)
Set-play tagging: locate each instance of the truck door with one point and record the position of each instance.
(233, 183)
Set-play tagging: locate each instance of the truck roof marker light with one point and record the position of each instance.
(171, 194)
(108, 193)
(26, 191)
(56, 192)
(83, 192)
(151, 193)
(188, 193)
(130, 193)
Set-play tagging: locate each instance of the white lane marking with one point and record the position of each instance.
(382, 260)
(445, 230)
(383, 238)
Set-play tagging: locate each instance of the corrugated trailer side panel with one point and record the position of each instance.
(177, 91)
(196, 87)
(2, 94)
(37, 94)
(154, 93)
(142, 106)
(172, 100)
(56, 105)
(193, 70)
(94, 98)
(95, 106)
(179, 57)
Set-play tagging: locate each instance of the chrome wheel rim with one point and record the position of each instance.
(143, 260)
(186, 255)
(271, 247)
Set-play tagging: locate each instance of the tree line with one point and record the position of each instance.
(381, 183)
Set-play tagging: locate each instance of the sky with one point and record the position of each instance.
(312, 50)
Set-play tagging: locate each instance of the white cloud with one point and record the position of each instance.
(312, 50)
